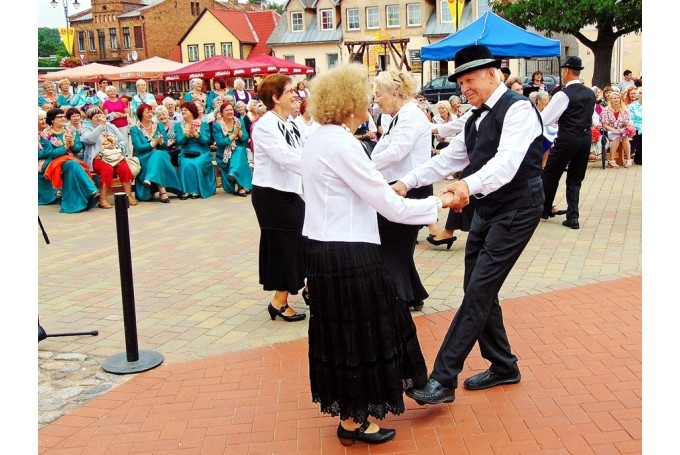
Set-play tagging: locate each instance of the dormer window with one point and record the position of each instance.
(296, 24)
(327, 22)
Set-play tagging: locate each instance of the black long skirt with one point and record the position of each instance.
(363, 348)
(283, 248)
(398, 243)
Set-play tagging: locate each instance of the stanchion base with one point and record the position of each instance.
(118, 364)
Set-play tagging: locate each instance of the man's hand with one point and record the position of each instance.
(461, 194)
(399, 188)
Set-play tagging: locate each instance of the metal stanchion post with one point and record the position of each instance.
(132, 360)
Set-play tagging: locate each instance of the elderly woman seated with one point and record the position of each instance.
(105, 148)
(58, 147)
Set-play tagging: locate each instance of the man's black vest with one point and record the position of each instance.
(577, 118)
(526, 187)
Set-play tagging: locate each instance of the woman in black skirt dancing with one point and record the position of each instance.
(363, 348)
(406, 144)
(277, 187)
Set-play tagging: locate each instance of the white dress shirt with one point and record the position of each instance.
(344, 190)
(277, 148)
(558, 104)
(520, 127)
(405, 145)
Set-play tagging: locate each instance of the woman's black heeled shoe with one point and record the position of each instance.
(349, 437)
(305, 296)
(273, 312)
(184, 196)
(448, 241)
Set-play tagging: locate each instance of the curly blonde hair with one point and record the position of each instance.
(393, 80)
(338, 93)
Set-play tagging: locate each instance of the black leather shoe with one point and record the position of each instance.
(348, 437)
(573, 223)
(490, 379)
(447, 241)
(273, 312)
(432, 393)
(555, 211)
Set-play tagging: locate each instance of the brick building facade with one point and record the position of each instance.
(117, 32)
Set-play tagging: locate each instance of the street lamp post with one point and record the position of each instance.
(76, 5)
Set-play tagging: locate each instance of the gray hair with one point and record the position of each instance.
(194, 81)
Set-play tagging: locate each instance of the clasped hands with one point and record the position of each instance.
(455, 195)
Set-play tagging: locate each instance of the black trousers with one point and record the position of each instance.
(492, 249)
(636, 143)
(567, 151)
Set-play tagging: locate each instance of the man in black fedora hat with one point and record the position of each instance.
(574, 108)
(500, 150)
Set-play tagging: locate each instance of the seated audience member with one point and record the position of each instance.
(102, 141)
(62, 168)
(149, 141)
(196, 171)
(46, 193)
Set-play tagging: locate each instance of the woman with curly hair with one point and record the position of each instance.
(363, 348)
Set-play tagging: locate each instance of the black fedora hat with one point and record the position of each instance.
(572, 62)
(473, 58)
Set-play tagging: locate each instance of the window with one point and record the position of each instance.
(331, 60)
(227, 49)
(81, 41)
(482, 7)
(310, 62)
(353, 19)
(195, 8)
(209, 50)
(327, 22)
(126, 38)
(445, 12)
(413, 14)
(392, 13)
(113, 38)
(192, 50)
(373, 17)
(296, 24)
(90, 38)
(139, 37)
(289, 58)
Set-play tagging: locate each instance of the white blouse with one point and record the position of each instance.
(344, 190)
(277, 148)
(404, 146)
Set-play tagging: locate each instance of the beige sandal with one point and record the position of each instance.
(612, 163)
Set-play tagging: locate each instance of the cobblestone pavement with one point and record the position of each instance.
(196, 285)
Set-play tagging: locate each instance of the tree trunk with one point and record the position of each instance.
(602, 49)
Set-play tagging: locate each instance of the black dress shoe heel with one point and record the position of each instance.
(349, 437)
(273, 312)
(305, 296)
(448, 241)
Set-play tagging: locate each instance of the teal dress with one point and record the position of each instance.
(235, 169)
(196, 173)
(78, 191)
(156, 165)
(46, 193)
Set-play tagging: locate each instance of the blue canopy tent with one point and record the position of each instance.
(504, 39)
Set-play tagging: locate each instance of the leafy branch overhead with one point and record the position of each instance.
(611, 19)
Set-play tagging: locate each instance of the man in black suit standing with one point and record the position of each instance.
(500, 148)
(574, 107)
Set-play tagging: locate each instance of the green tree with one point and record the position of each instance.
(49, 43)
(611, 19)
(268, 5)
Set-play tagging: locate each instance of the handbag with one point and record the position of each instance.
(111, 156)
(134, 164)
(192, 154)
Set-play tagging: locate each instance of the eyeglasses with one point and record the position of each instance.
(290, 90)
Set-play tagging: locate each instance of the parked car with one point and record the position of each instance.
(441, 89)
(549, 81)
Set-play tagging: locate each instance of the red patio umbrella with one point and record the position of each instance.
(217, 66)
(279, 65)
